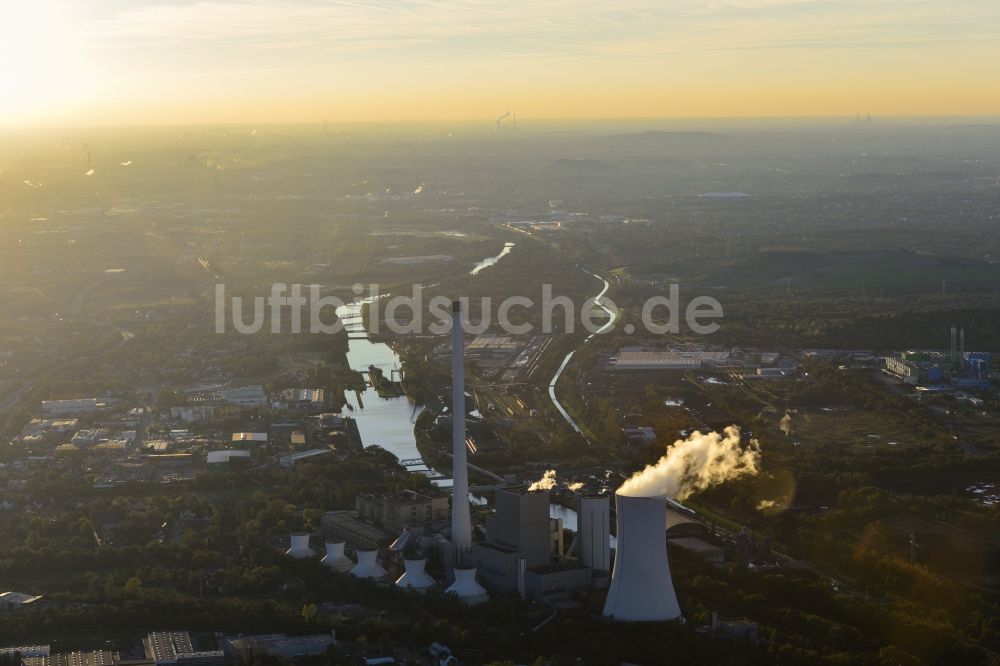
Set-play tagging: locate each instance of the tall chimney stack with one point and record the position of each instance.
(954, 345)
(961, 347)
(461, 521)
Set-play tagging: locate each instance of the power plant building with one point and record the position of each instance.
(914, 368)
(593, 532)
(518, 552)
(958, 367)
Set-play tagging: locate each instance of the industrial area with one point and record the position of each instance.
(194, 469)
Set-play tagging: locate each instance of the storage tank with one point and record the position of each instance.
(415, 577)
(335, 558)
(641, 588)
(469, 591)
(368, 566)
(300, 546)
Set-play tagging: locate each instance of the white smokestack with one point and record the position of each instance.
(961, 348)
(367, 566)
(335, 558)
(465, 586)
(415, 577)
(300, 546)
(461, 521)
(641, 588)
(594, 532)
(693, 464)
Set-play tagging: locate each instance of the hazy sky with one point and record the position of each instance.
(151, 61)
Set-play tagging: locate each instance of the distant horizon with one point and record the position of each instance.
(529, 123)
(217, 61)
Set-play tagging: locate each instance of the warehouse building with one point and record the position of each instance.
(344, 526)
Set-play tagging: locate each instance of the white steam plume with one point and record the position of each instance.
(696, 463)
(547, 482)
(786, 423)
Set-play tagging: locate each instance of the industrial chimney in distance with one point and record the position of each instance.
(641, 588)
(953, 355)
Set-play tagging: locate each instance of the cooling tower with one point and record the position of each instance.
(335, 558)
(465, 586)
(415, 577)
(594, 532)
(367, 566)
(461, 521)
(641, 589)
(300, 546)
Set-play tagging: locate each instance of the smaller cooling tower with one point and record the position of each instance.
(300, 546)
(335, 558)
(415, 577)
(641, 588)
(465, 586)
(367, 566)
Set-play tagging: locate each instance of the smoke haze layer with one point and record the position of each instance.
(690, 465)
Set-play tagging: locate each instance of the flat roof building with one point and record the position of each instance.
(71, 407)
(227, 456)
(174, 648)
(12, 601)
(292, 459)
(408, 509)
(77, 658)
(280, 645)
(26, 651)
(344, 526)
(249, 438)
(302, 397)
(244, 396)
(628, 359)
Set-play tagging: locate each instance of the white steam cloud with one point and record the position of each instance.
(690, 465)
(547, 482)
(786, 423)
